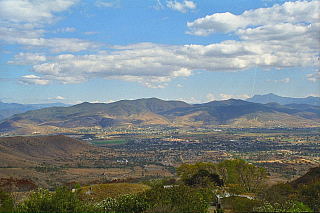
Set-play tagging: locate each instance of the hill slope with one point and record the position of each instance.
(30, 151)
(312, 174)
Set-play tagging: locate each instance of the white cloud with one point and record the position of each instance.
(60, 98)
(159, 64)
(179, 85)
(91, 32)
(286, 80)
(37, 11)
(33, 79)
(313, 76)
(227, 97)
(28, 58)
(182, 7)
(210, 97)
(289, 12)
(22, 22)
(114, 4)
(277, 37)
(314, 95)
(158, 6)
(283, 81)
(65, 30)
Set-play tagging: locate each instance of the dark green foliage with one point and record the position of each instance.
(203, 178)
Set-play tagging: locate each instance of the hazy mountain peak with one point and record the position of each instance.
(268, 98)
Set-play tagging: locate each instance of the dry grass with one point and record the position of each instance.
(102, 191)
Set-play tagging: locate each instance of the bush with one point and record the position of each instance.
(159, 199)
(309, 194)
(182, 198)
(241, 204)
(124, 203)
(6, 203)
(290, 206)
(60, 201)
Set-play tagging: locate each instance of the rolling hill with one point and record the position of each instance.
(153, 111)
(31, 151)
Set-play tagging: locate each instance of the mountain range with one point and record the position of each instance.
(268, 98)
(153, 111)
(9, 109)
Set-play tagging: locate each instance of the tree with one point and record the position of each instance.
(14, 187)
(187, 170)
(238, 171)
(279, 196)
(202, 178)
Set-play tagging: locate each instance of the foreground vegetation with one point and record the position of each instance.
(241, 187)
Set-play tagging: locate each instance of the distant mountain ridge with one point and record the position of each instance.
(9, 109)
(268, 98)
(152, 111)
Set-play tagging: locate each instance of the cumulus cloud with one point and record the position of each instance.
(281, 36)
(179, 85)
(182, 7)
(28, 59)
(22, 22)
(159, 64)
(37, 11)
(289, 12)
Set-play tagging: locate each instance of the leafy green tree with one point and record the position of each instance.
(238, 171)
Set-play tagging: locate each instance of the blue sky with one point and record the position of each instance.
(196, 51)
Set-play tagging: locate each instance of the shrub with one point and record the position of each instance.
(124, 203)
(60, 201)
(159, 199)
(6, 203)
(290, 206)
